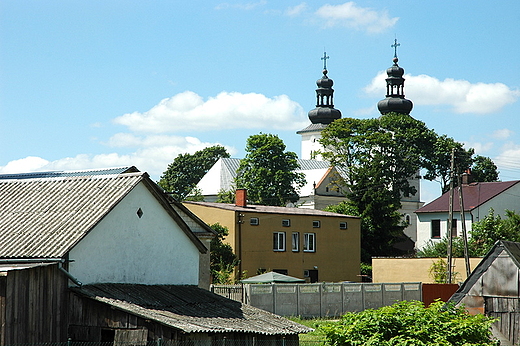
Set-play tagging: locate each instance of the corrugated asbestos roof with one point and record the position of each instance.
(190, 309)
(474, 195)
(46, 217)
(56, 174)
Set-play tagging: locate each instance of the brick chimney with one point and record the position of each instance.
(467, 178)
(241, 198)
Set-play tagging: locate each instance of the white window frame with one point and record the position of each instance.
(279, 241)
(254, 221)
(309, 242)
(316, 224)
(295, 241)
(343, 225)
(286, 223)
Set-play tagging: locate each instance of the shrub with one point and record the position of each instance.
(409, 323)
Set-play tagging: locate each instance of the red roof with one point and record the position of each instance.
(474, 195)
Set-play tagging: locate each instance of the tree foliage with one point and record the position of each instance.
(222, 258)
(410, 323)
(484, 169)
(268, 172)
(377, 158)
(483, 235)
(186, 170)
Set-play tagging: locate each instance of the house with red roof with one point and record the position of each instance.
(477, 200)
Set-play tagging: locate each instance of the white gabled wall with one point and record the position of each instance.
(124, 248)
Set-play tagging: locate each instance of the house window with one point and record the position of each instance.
(279, 241)
(254, 221)
(454, 228)
(436, 228)
(316, 224)
(286, 223)
(342, 225)
(295, 241)
(309, 242)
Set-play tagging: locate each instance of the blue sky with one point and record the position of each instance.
(92, 84)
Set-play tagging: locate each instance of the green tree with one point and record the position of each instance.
(484, 169)
(438, 160)
(410, 323)
(268, 172)
(186, 170)
(377, 157)
(487, 232)
(222, 258)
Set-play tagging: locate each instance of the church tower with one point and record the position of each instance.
(395, 101)
(320, 117)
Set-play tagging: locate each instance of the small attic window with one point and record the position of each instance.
(139, 213)
(343, 225)
(254, 221)
(286, 223)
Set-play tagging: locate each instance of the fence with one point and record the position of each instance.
(195, 342)
(323, 299)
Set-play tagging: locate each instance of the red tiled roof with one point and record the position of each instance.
(474, 195)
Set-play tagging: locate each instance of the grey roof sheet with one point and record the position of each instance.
(57, 174)
(46, 217)
(190, 309)
(312, 128)
(270, 209)
(232, 164)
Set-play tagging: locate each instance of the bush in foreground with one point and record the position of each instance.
(410, 323)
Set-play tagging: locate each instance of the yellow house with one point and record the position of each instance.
(304, 243)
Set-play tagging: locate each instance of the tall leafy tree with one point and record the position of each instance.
(186, 170)
(377, 157)
(268, 171)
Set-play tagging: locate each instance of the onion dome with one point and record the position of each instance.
(324, 113)
(395, 101)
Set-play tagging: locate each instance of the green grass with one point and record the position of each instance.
(317, 335)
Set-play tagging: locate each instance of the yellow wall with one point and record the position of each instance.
(414, 269)
(337, 253)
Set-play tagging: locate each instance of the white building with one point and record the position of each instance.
(478, 199)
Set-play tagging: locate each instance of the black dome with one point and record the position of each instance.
(325, 82)
(324, 115)
(395, 104)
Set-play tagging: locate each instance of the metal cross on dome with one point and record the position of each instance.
(394, 46)
(324, 58)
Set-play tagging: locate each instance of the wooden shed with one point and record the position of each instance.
(493, 288)
(36, 306)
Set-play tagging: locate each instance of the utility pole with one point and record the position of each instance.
(464, 233)
(450, 217)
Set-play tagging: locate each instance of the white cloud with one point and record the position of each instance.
(352, 16)
(188, 111)
(28, 164)
(480, 148)
(296, 10)
(461, 95)
(152, 154)
(502, 134)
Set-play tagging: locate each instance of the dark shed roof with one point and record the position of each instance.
(474, 195)
(190, 309)
(511, 248)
